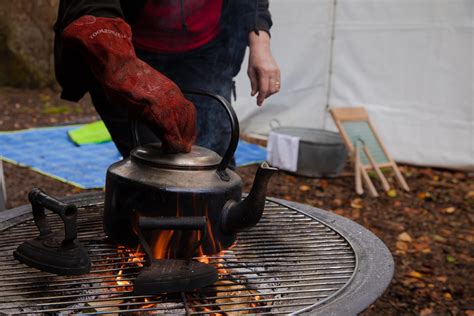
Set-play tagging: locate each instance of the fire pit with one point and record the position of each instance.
(297, 260)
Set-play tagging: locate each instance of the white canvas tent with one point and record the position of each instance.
(410, 63)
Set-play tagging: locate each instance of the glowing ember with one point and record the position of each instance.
(136, 259)
(119, 279)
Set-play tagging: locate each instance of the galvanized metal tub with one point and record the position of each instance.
(321, 153)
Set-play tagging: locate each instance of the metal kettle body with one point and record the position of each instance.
(152, 183)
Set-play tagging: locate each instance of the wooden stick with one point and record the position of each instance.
(358, 180)
(379, 172)
(400, 177)
(368, 182)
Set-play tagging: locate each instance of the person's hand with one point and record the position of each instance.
(105, 44)
(263, 71)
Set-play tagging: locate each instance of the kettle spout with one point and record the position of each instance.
(246, 213)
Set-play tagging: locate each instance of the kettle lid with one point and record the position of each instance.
(153, 155)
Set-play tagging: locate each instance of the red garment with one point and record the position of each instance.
(105, 44)
(175, 26)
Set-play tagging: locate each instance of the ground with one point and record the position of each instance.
(428, 230)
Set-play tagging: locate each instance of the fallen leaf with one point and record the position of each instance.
(356, 203)
(426, 196)
(442, 278)
(401, 245)
(323, 184)
(439, 238)
(469, 312)
(426, 311)
(415, 274)
(409, 281)
(449, 210)
(470, 195)
(405, 237)
(424, 238)
(337, 202)
(305, 188)
(426, 250)
(447, 296)
(422, 244)
(397, 203)
(392, 193)
(450, 259)
(355, 214)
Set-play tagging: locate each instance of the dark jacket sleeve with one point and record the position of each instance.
(70, 10)
(255, 14)
(71, 71)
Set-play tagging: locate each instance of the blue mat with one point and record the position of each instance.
(50, 151)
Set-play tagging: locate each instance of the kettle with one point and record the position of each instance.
(152, 183)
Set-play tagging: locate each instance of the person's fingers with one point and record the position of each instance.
(263, 87)
(275, 83)
(253, 81)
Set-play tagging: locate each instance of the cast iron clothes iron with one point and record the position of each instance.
(49, 251)
(158, 184)
(172, 275)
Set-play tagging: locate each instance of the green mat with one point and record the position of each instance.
(92, 133)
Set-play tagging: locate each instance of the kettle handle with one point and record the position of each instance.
(234, 125)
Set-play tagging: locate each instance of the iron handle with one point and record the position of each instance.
(172, 223)
(67, 212)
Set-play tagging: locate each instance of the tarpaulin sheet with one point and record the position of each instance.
(408, 62)
(51, 152)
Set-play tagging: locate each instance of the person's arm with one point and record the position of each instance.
(71, 10)
(101, 46)
(71, 71)
(263, 70)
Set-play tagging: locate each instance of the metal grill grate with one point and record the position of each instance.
(288, 262)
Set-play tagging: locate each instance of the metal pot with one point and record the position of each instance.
(321, 153)
(153, 183)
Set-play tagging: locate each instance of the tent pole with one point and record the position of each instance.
(330, 61)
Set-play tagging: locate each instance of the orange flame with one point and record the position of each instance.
(162, 244)
(120, 281)
(132, 257)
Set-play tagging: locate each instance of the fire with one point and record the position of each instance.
(167, 244)
(149, 305)
(132, 257)
(236, 297)
(162, 244)
(119, 279)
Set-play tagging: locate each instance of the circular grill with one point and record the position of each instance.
(291, 262)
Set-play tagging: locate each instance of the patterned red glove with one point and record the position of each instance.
(127, 81)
